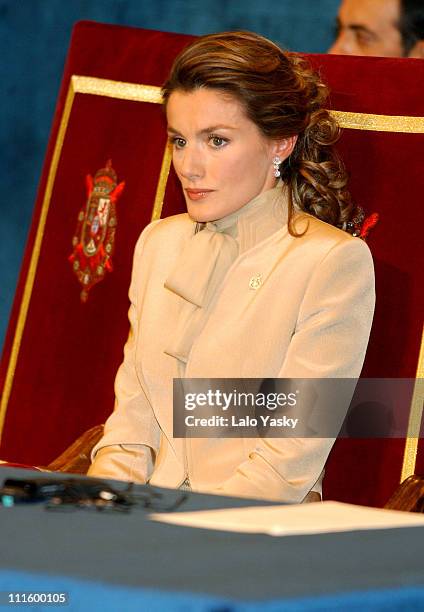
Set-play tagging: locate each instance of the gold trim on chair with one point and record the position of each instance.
(163, 179)
(379, 123)
(116, 89)
(415, 418)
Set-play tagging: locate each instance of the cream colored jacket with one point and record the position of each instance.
(310, 317)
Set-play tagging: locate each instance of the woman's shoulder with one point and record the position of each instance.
(312, 227)
(175, 223)
(315, 230)
(320, 240)
(166, 232)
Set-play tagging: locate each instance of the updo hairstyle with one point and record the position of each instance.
(284, 97)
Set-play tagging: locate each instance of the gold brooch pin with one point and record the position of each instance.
(255, 282)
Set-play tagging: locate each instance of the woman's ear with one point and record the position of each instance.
(284, 148)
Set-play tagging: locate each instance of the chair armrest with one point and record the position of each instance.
(76, 458)
(409, 496)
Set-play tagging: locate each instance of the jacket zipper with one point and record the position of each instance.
(185, 485)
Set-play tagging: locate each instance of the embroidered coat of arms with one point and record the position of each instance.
(94, 238)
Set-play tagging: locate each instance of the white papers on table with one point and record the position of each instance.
(320, 517)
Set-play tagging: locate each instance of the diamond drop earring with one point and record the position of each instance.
(276, 163)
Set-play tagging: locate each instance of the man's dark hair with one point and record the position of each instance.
(411, 25)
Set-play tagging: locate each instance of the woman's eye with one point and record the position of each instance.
(217, 141)
(178, 143)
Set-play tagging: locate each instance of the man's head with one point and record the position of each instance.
(388, 28)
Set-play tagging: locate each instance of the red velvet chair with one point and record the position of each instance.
(61, 353)
(382, 153)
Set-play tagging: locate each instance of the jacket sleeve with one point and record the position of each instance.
(131, 437)
(329, 341)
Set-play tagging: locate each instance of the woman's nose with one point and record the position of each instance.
(191, 164)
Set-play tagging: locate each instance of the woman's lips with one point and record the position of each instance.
(198, 194)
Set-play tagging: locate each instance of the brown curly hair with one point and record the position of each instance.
(284, 97)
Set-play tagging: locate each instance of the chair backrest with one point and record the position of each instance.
(61, 353)
(379, 104)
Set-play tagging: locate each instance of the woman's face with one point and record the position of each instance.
(219, 154)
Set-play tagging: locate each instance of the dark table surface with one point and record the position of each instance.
(130, 549)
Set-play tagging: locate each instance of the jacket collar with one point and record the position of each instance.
(207, 257)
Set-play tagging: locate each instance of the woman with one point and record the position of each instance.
(255, 281)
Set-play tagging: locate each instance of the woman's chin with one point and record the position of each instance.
(198, 215)
(198, 218)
